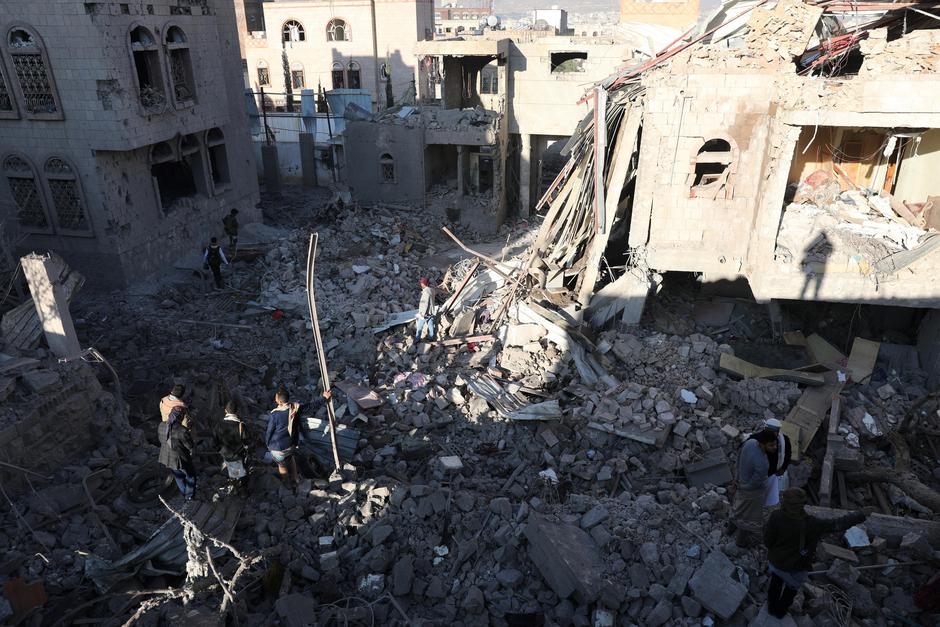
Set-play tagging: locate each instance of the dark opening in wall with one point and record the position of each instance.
(562, 62)
(713, 159)
(175, 180)
(147, 66)
(486, 174)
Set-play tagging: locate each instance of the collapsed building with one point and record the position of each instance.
(127, 157)
(798, 167)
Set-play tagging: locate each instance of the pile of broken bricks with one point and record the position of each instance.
(493, 482)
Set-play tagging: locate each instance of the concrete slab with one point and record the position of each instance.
(713, 587)
(567, 558)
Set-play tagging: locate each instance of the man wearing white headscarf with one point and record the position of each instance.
(778, 479)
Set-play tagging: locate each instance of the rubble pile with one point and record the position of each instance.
(916, 53)
(495, 479)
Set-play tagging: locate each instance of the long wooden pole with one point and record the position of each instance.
(321, 356)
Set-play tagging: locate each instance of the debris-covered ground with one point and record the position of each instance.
(533, 474)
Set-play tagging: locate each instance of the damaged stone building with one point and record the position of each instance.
(123, 139)
(796, 167)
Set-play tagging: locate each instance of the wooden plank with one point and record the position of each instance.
(650, 437)
(888, 527)
(361, 395)
(747, 370)
(828, 466)
(810, 411)
(861, 362)
(825, 353)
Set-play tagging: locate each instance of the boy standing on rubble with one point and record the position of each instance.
(283, 432)
(426, 310)
(748, 510)
(178, 450)
(230, 224)
(232, 438)
(214, 257)
(791, 536)
(172, 400)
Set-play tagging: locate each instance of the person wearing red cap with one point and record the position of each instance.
(426, 310)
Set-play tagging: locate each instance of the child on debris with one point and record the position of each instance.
(753, 465)
(172, 400)
(230, 223)
(283, 432)
(232, 438)
(791, 536)
(426, 310)
(214, 257)
(178, 450)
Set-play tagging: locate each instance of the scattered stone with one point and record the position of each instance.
(713, 587)
(451, 463)
(594, 516)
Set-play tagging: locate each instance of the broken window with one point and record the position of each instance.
(297, 75)
(337, 30)
(489, 80)
(177, 171)
(712, 169)
(339, 77)
(181, 67)
(66, 196)
(30, 66)
(31, 209)
(218, 159)
(354, 76)
(147, 63)
(563, 62)
(264, 74)
(387, 165)
(294, 31)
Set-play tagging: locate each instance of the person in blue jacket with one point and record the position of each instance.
(283, 432)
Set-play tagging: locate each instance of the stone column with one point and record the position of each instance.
(525, 176)
(271, 168)
(308, 159)
(44, 274)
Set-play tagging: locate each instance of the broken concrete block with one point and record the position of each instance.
(509, 577)
(838, 552)
(567, 559)
(403, 575)
(296, 610)
(713, 587)
(649, 553)
(688, 397)
(856, 537)
(451, 463)
(886, 391)
(730, 431)
(380, 534)
(661, 613)
(40, 381)
(594, 516)
(915, 544)
(522, 334)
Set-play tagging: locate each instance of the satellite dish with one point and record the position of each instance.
(492, 21)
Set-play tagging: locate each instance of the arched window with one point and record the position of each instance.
(337, 30)
(294, 31)
(297, 75)
(66, 195)
(711, 170)
(31, 209)
(354, 76)
(339, 78)
(218, 159)
(31, 69)
(387, 165)
(146, 55)
(264, 74)
(181, 66)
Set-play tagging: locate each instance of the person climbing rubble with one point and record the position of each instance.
(232, 438)
(283, 432)
(426, 310)
(779, 462)
(752, 479)
(214, 257)
(791, 535)
(230, 224)
(178, 450)
(171, 401)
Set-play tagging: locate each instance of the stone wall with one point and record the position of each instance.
(47, 418)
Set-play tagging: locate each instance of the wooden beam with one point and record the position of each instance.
(832, 442)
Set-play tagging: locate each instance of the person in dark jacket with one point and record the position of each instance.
(283, 432)
(791, 535)
(232, 438)
(178, 450)
(778, 462)
(230, 224)
(214, 257)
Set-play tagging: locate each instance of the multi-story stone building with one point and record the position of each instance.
(346, 44)
(450, 20)
(123, 138)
